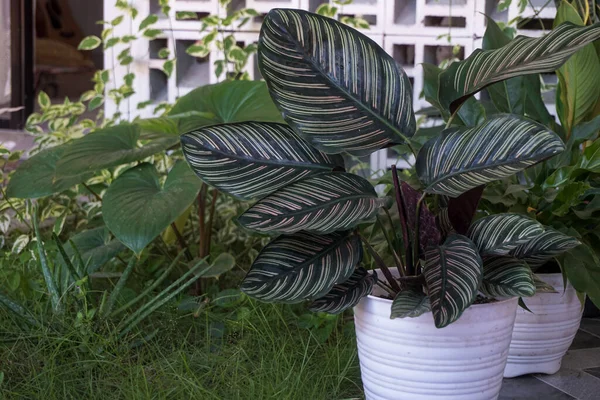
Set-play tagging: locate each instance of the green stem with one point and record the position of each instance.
(89, 189)
(17, 211)
(50, 284)
(182, 242)
(119, 287)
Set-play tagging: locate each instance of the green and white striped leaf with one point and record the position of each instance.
(410, 302)
(334, 85)
(498, 234)
(250, 159)
(541, 286)
(322, 203)
(461, 159)
(453, 273)
(543, 247)
(302, 266)
(522, 56)
(347, 294)
(506, 277)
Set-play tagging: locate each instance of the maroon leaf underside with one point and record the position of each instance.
(429, 234)
(461, 209)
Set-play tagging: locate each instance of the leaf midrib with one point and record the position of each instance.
(310, 61)
(320, 206)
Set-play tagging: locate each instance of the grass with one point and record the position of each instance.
(253, 351)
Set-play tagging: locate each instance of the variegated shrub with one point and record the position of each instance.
(340, 93)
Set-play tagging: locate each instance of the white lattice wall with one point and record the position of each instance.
(411, 31)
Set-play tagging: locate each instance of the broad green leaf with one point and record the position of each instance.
(520, 95)
(583, 270)
(410, 302)
(578, 78)
(322, 203)
(302, 266)
(498, 234)
(569, 196)
(453, 273)
(225, 102)
(95, 247)
(590, 159)
(506, 277)
(334, 86)
(347, 294)
(108, 147)
(544, 247)
(250, 160)
(137, 208)
(522, 56)
(37, 176)
(464, 158)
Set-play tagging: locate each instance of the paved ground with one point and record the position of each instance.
(578, 378)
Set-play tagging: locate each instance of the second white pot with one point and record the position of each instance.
(542, 337)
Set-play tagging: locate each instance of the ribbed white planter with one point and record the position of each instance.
(542, 337)
(410, 359)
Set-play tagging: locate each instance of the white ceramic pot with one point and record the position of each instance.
(410, 359)
(542, 337)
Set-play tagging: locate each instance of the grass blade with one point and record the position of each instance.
(50, 284)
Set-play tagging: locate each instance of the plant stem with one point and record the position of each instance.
(118, 287)
(89, 189)
(416, 235)
(386, 288)
(182, 242)
(402, 213)
(381, 264)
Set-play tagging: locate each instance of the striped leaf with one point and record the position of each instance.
(500, 233)
(321, 204)
(302, 266)
(522, 56)
(541, 286)
(453, 273)
(250, 160)
(334, 86)
(347, 294)
(461, 159)
(543, 247)
(506, 277)
(410, 302)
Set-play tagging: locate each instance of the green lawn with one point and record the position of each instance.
(252, 351)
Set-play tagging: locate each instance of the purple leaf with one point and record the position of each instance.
(461, 209)
(429, 234)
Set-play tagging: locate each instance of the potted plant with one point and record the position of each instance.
(561, 193)
(340, 93)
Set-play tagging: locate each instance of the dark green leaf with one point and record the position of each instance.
(463, 158)
(544, 247)
(302, 266)
(334, 85)
(506, 277)
(498, 234)
(37, 177)
(136, 208)
(108, 147)
(583, 270)
(251, 160)
(410, 302)
(453, 273)
(322, 203)
(347, 294)
(225, 102)
(95, 247)
(522, 56)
